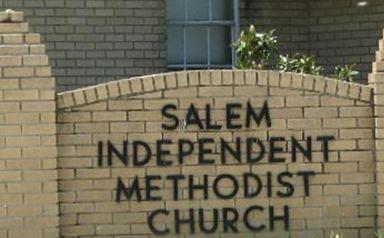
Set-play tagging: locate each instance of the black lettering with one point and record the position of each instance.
(148, 153)
(306, 152)
(208, 120)
(165, 111)
(179, 221)
(100, 153)
(160, 153)
(230, 223)
(250, 143)
(192, 187)
(214, 220)
(225, 147)
(193, 118)
(149, 188)
(256, 190)
(205, 151)
(290, 189)
(273, 218)
(128, 192)
(175, 184)
(235, 186)
(306, 175)
(152, 227)
(273, 149)
(183, 152)
(123, 157)
(231, 115)
(269, 184)
(264, 113)
(325, 145)
(247, 223)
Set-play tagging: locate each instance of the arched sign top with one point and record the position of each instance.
(183, 79)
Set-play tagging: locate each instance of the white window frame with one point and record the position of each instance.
(233, 24)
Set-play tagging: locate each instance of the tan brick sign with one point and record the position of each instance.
(217, 152)
(223, 153)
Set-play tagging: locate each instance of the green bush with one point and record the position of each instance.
(379, 234)
(298, 64)
(346, 73)
(335, 235)
(287, 64)
(256, 50)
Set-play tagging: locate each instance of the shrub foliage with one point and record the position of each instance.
(259, 50)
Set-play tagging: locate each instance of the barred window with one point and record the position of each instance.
(200, 33)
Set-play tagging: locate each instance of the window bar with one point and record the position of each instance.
(210, 10)
(185, 36)
(209, 34)
(208, 47)
(233, 48)
(184, 48)
(203, 23)
(235, 31)
(199, 66)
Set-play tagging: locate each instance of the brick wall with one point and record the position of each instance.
(342, 194)
(28, 176)
(335, 32)
(376, 80)
(94, 41)
(342, 33)
(289, 18)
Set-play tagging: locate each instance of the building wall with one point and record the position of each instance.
(342, 33)
(289, 18)
(94, 41)
(336, 32)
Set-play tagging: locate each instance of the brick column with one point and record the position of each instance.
(28, 175)
(376, 80)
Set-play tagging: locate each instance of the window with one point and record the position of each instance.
(200, 33)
